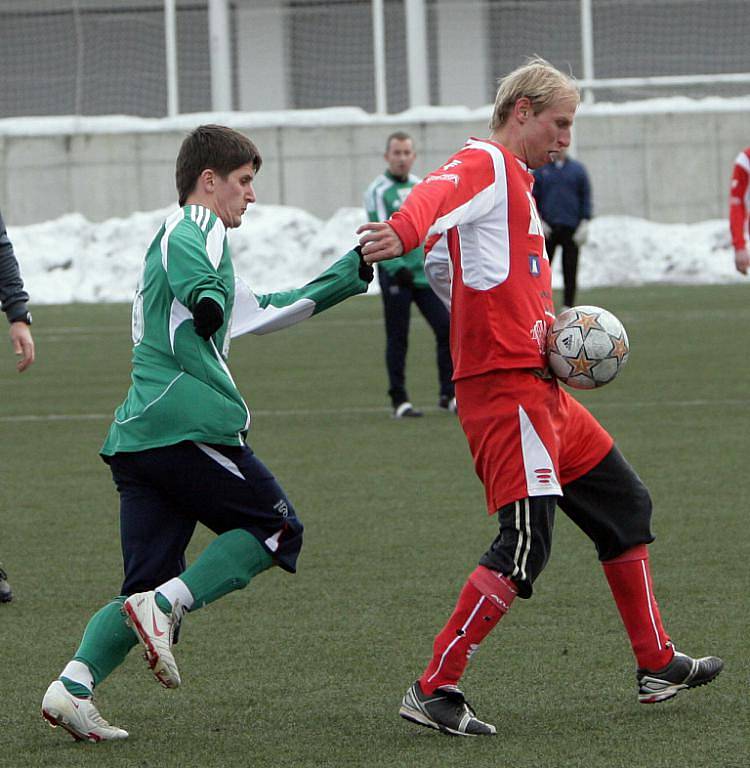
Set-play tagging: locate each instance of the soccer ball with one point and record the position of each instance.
(587, 346)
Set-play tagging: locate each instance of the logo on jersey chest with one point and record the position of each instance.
(534, 266)
(539, 335)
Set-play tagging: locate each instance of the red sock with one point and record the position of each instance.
(486, 596)
(629, 578)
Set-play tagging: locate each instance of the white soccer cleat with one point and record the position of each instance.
(79, 717)
(155, 630)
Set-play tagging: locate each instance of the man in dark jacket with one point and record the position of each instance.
(13, 300)
(563, 196)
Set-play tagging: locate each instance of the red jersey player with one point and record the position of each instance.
(739, 199)
(534, 446)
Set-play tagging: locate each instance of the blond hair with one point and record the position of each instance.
(537, 80)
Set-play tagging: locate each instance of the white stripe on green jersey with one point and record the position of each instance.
(181, 387)
(382, 199)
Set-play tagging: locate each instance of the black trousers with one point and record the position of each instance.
(610, 504)
(165, 492)
(397, 302)
(563, 236)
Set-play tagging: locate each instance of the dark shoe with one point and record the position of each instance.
(682, 672)
(6, 593)
(406, 411)
(448, 404)
(445, 710)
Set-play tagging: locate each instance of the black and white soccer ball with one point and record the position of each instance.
(587, 346)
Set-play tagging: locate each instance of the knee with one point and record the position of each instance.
(631, 530)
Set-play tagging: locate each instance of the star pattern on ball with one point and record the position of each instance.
(620, 348)
(586, 321)
(552, 337)
(581, 365)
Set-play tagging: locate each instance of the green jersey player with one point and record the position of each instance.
(403, 282)
(176, 447)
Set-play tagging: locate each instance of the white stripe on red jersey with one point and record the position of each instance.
(501, 282)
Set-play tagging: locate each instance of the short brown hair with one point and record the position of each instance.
(537, 80)
(212, 146)
(397, 136)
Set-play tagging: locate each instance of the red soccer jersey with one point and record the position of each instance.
(501, 282)
(739, 199)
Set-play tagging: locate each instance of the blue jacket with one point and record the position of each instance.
(13, 297)
(563, 193)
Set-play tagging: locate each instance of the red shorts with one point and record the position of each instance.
(527, 435)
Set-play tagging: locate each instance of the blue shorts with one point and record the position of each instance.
(164, 492)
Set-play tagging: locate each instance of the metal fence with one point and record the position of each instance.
(154, 57)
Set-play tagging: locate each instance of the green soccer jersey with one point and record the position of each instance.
(382, 199)
(181, 387)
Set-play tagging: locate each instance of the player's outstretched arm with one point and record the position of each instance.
(270, 312)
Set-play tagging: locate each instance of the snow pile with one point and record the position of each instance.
(278, 247)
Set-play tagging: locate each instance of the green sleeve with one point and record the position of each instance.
(190, 273)
(338, 282)
(270, 312)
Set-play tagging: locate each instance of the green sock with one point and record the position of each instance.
(164, 605)
(226, 564)
(76, 689)
(106, 641)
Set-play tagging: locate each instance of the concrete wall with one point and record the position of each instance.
(671, 167)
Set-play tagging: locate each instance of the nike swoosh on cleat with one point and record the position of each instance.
(157, 632)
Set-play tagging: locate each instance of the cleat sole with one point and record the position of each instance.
(55, 719)
(417, 717)
(672, 691)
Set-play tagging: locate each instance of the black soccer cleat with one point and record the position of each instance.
(406, 411)
(445, 710)
(6, 593)
(447, 404)
(681, 673)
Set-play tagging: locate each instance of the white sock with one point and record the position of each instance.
(175, 590)
(79, 673)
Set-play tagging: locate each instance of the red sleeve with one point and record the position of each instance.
(445, 195)
(737, 209)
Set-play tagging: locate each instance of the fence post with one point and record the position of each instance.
(587, 48)
(219, 51)
(378, 47)
(416, 53)
(170, 40)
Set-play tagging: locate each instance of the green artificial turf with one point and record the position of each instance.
(309, 670)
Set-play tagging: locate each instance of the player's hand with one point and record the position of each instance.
(379, 242)
(366, 272)
(404, 278)
(742, 260)
(23, 345)
(208, 317)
